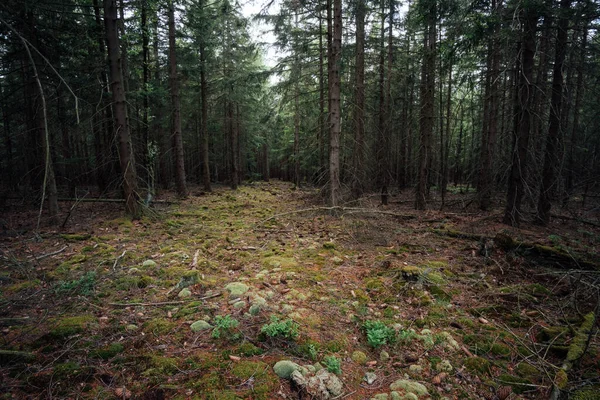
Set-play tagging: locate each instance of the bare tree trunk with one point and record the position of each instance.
(321, 138)
(359, 104)
(522, 132)
(427, 107)
(570, 170)
(145, 79)
(551, 159)
(176, 108)
(334, 100)
(444, 142)
(486, 174)
(298, 74)
(204, 128)
(7, 143)
(233, 144)
(127, 160)
(381, 150)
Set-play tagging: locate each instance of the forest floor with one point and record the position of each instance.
(201, 298)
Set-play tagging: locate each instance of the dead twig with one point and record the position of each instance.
(119, 259)
(51, 254)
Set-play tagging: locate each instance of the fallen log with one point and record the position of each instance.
(558, 257)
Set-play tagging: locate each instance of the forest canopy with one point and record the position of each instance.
(125, 98)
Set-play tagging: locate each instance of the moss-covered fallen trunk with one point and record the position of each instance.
(577, 349)
(547, 254)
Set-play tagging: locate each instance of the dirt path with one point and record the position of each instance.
(204, 298)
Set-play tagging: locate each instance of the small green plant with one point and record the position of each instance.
(287, 329)
(406, 336)
(224, 326)
(378, 333)
(333, 365)
(84, 285)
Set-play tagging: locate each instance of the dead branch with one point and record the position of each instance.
(118, 259)
(51, 254)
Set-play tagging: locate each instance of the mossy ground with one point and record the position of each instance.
(495, 319)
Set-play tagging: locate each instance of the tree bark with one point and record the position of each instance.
(204, 126)
(176, 109)
(489, 135)
(551, 159)
(145, 79)
(359, 104)
(570, 170)
(321, 138)
(427, 105)
(126, 158)
(522, 131)
(334, 100)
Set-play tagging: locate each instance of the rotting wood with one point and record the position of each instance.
(560, 257)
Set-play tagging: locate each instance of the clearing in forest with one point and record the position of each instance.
(260, 293)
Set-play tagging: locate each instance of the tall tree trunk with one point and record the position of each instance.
(551, 159)
(321, 138)
(426, 118)
(333, 67)
(233, 144)
(359, 104)
(160, 135)
(145, 80)
(570, 170)
(444, 142)
(489, 135)
(101, 127)
(381, 153)
(522, 132)
(126, 158)
(176, 108)
(123, 44)
(8, 169)
(388, 96)
(298, 74)
(204, 127)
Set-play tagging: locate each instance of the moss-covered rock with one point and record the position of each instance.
(410, 387)
(477, 364)
(359, 357)
(284, 368)
(236, 289)
(149, 264)
(200, 325)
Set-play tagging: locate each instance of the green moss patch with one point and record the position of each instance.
(265, 381)
(68, 326)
